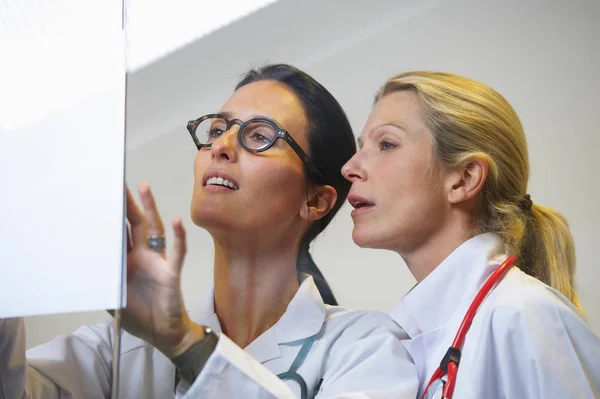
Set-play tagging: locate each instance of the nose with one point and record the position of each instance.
(352, 170)
(225, 147)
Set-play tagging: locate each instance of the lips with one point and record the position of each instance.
(215, 178)
(360, 204)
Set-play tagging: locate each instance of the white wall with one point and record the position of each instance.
(543, 55)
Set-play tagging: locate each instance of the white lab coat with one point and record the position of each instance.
(526, 341)
(359, 355)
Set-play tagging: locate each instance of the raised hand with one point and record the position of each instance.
(155, 309)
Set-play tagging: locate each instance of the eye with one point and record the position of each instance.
(214, 132)
(386, 145)
(259, 138)
(257, 135)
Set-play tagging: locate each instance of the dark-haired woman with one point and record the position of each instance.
(267, 182)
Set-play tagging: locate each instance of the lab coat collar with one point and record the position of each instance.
(450, 287)
(303, 318)
(305, 314)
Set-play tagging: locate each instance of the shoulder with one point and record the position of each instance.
(369, 355)
(519, 295)
(364, 334)
(523, 308)
(105, 332)
(96, 337)
(362, 323)
(527, 331)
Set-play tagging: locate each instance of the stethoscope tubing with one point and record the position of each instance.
(450, 362)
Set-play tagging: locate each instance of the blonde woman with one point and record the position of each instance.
(441, 179)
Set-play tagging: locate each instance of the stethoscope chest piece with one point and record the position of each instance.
(435, 390)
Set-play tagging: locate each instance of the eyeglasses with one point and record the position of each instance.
(255, 135)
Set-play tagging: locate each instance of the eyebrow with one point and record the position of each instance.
(370, 132)
(229, 115)
(387, 124)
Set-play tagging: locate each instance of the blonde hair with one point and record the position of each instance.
(470, 120)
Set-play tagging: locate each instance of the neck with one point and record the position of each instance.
(424, 258)
(253, 287)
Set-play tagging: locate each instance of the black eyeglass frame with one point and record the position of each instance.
(279, 134)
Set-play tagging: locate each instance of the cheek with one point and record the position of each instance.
(198, 211)
(400, 179)
(416, 192)
(201, 162)
(270, 196)
(409, 202)
(277, 188)
(419, 209)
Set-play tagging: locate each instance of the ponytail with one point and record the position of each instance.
(540, 239)
(547, 250)
(306, 264)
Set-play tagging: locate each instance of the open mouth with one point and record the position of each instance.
(219, 181)
(360, 204)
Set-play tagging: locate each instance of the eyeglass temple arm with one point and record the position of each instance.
(305, 159)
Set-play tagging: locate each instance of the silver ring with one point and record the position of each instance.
(157, 243)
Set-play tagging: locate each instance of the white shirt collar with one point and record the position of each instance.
(303, 318)
(305, 314)
(450, 287)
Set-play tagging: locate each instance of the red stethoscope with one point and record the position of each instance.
(449, 364)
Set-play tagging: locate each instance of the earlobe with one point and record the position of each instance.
(321, 200)
(468, 180)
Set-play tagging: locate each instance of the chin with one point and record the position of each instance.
(208, 217)
(221, 220)
(375, 239)
(364, 238)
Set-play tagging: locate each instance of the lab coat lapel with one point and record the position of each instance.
(305, 314)
(433, 309)
(303, 318)
(421, 344)
(205, 315)
(450, 288)
(421, 341)
(265, 347)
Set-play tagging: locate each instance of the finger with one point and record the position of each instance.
(154, 224)
(128, 238)
(179, 245)
(136, 221)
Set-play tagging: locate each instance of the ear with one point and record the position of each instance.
(320, 201)
(466, 181)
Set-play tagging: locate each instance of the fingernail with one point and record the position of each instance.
(144, 186)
